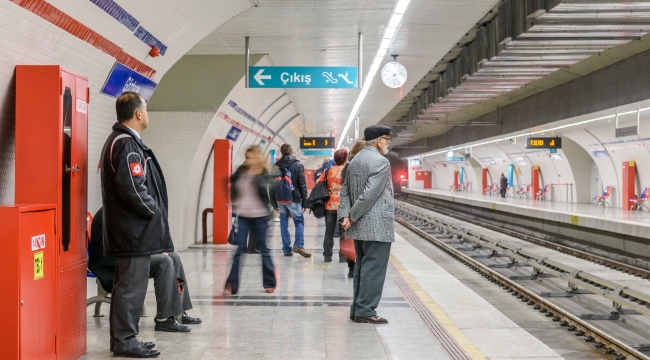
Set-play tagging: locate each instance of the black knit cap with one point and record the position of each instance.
(372, 132)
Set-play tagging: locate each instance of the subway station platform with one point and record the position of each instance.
(431, 314)
(615, 220)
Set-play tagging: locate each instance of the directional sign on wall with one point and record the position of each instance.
(303, 77)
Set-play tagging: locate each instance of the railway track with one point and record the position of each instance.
(626, 268)
(501, 262)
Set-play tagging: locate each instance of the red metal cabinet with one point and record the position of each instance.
(27, 240)
(52, 167)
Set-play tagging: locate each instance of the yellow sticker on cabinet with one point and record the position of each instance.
(494, 206)
(38, 265)
(575, 220)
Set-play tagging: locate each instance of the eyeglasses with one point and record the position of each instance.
(385, 138)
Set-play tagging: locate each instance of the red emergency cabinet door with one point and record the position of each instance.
(425, 177)
(28, 257)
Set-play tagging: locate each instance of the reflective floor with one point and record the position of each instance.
(306, 318)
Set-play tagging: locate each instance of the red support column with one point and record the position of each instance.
(222, 210)
(629, 184)
(456, 174)
(534, 181)
(484, 179)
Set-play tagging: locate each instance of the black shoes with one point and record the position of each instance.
(301, 251)
(370, 320)
(327, 259)
(139, 351)
(352, 317)
(186, 319)
(254, 251)
(350, 274)
(147, 345)
(171, 325)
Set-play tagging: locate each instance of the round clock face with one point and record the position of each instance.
(394, 74)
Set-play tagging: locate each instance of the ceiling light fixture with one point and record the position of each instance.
(529, 134)
(394, 22)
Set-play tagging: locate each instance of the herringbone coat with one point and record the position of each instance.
(367, 197)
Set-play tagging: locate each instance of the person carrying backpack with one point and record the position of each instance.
(288, 197)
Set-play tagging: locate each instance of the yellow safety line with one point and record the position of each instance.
(451, 328)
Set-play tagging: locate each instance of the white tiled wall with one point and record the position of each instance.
(174, 138)
(28, 39)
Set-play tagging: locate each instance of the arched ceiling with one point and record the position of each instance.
(324, 33)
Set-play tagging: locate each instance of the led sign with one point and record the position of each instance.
(544, 143)
(317, 143)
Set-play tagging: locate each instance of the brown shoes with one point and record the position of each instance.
(370, 319)
(301, 251)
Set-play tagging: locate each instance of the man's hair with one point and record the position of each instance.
(286, 149)
(340, 156)
(372, 142)
(358, 146)
(127, 104)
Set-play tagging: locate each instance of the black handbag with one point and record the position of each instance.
(232, 237)
(318, 197)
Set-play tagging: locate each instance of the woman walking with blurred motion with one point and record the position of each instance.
(332, 179)
(250, 197)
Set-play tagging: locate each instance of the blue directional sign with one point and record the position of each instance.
(233, 134)
(303, 77)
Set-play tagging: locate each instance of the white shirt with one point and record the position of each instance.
(134, 132)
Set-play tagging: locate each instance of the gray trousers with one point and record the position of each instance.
(369, 276)
(168, 274)
(129, 290)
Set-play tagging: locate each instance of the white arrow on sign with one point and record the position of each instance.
(259, 77)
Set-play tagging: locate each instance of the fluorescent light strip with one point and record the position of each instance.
(394, 22)
(527, 134)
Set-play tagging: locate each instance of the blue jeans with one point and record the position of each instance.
(256, 226)
(296, 213)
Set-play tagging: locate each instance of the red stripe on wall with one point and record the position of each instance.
(64, 21)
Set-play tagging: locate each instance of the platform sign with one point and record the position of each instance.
(303, 77)
(233, 134)
(317, 142)
(544, 143)
(122, 79)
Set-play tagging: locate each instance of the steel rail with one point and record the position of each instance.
(609, 343)
(616, 293)
(617, 265)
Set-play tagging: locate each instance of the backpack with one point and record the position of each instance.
(284, 186)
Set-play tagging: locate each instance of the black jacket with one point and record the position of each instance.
(297, 177)
(100, 265)
(134, 196)
(262, 182)
(503, 182)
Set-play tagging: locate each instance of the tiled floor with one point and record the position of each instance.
(307, 317)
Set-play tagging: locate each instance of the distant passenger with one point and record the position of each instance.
(367, 212)
(289, 197)
(350, 254)
(135, 201)
(327, 163)
(503, 184)
(332, 178)
(250, 197)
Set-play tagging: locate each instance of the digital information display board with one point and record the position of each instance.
(544, 143)
(317, 142)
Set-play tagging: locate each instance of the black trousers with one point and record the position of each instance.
(168, 274)
(503, 192)
(129, 290)
(369, 276)
(330, 227)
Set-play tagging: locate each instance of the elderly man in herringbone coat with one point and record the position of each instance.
(366, 211)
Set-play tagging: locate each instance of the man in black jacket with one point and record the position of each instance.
(297, 206)
(135, 221)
